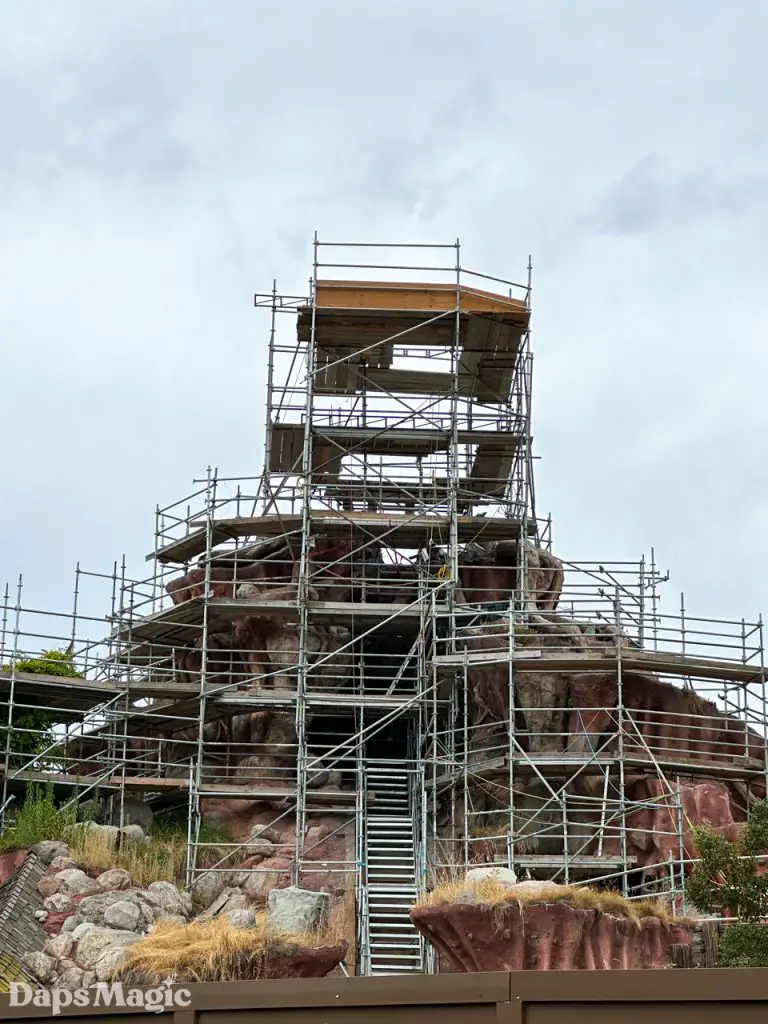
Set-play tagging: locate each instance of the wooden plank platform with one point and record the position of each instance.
(183, 623)
(148, 784)
(432, 297)
(542, 660)
(69, 695)
(331, 443)
(397, 530)
(564, 765)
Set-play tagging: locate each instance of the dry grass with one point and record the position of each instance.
(214, 951)
(497, 895)
(157, 859)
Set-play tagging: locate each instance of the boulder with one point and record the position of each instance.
(110, 962)
(59, 901)
(230, 899)
(124, 916)
(105, 833)
(260, 848)
(264, 832)
(71, 923)
(209, 887)
(71, 979)
(49, 884)
(92, 946)
(61, 863)
(493, 872)
(133, 834)
(114, 879)
(47, 850)
(82, 929)
(535, 888)
(93, 908)
(75, 882)
(297, 910)
(59, 947)
(135, 812)
(169, 898)
(240, 918)
(41, 965)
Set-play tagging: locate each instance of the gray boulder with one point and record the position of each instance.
(93, 908)
(114, 879)
(82, 929)
(133, 834)
(42, 966)
(92, 946)
(61, 863)
(59, 947)
(494, 873)
(48, 849)
(230, 899)
(124, 916)
(72, 922)
(71, 979)
(169, 898)
(74, 882)
(58, 902)
(209, 887)
(109, 963)
(297, 910)
(240, 918)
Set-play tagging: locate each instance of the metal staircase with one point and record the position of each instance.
(393, 944)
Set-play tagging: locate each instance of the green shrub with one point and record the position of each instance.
(33, 728)
(727, 880)
(744, 944)
(50, 663)
(37, 819)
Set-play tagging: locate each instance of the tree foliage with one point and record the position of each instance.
(727, 880)
(33, 726)
(727, 877)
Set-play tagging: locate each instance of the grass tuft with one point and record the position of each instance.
(497, 895)
(161, 857)
(213, 951)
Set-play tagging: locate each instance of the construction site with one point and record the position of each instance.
(372, 650)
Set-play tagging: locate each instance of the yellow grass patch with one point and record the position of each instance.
(151, 860)
(495, 894)
(213, 951)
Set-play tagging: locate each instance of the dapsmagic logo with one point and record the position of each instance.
(153, 1000)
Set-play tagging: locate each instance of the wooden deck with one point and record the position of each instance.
(542, 660)
(404, 531)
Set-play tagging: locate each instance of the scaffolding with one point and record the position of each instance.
(367, 650)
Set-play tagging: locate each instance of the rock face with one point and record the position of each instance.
(543, 937)
(96, 941)
(297, 910)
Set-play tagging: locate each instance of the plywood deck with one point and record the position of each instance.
(406, 531)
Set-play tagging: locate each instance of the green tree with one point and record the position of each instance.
(727, 879)
(33, 728)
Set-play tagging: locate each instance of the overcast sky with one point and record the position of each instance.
(160, 160)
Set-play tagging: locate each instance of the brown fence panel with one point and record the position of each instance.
(526, 997)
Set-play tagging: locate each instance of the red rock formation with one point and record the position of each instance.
(265, 563)
(488, 574)
(10, 862)
(471, 936)
(304, 961)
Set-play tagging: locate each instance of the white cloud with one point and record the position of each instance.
(159, 161)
